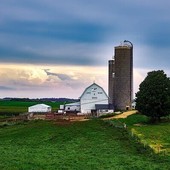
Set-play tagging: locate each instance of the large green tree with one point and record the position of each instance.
(153, 97)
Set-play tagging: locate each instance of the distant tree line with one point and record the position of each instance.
(41, 99)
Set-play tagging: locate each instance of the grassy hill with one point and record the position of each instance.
(157, 136)
(82, 145)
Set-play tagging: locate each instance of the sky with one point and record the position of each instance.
(56, 48)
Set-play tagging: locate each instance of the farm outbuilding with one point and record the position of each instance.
(92, 95)
(39, 108)
(72, 107)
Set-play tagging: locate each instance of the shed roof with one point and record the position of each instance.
(73, 104)
(40, 105)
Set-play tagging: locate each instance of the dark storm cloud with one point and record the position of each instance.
(17, 56)
(159, 36)
(33, 42)
(49, 73)
(48, 31)
(6, 88)
(62, 77)
(76, 31)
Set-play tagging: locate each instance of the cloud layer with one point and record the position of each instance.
(49, 34)
(76, 32)
(48, 81)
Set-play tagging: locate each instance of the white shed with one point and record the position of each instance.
(92, 95)
(72, 107)
(41, 108)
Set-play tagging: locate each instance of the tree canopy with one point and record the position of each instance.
(153, 97)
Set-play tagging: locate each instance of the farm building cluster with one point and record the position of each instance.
(94, 99)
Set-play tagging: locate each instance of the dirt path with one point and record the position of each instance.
(123, 115)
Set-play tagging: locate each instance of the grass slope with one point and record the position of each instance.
(81, 145)
(157, 136)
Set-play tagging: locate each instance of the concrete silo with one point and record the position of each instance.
(121, 76)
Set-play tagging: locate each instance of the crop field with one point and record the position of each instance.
(84, 145)
(157, 136)
(15, 107)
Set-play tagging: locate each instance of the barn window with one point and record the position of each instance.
(94, 97)
(94, 89)
(100, 93)
(113, 75)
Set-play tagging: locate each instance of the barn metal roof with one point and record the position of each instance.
(37, 105)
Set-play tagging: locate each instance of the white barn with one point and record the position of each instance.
(40, 108)
(93, 100)
(92, 96)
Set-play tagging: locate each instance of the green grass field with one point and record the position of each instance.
(15, 107)
(89, 145)
(157, 136)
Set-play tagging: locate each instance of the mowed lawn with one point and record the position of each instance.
(85, 145)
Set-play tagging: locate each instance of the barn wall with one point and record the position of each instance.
(72, 108)
(94, 94)
(88, 105)
(39, 109)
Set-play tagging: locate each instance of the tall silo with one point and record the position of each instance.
(111, 80)
(121, 77)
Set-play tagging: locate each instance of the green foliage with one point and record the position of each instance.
(81, 145)
(153, 98)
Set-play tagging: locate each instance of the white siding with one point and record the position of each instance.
(94, 94)
(39, 108)
(72, 107)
